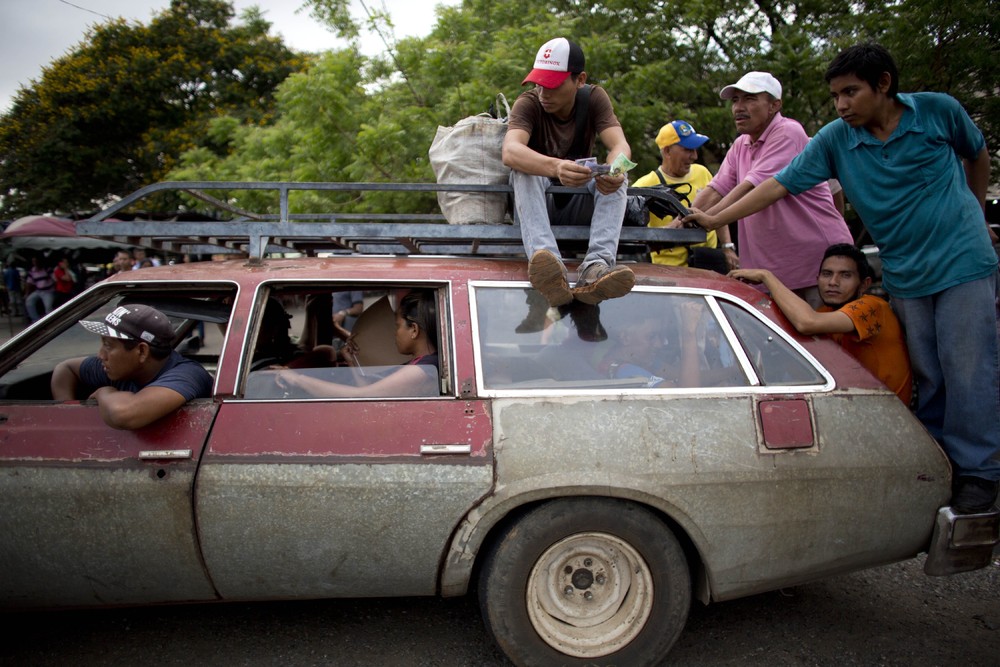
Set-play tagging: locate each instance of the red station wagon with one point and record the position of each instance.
(589, 471)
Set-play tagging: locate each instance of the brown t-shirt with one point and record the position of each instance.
(554, 137)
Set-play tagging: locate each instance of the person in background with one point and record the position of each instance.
(863, 324)
(915, 167)
(789, 239)
(142, 261)
(539, 148)
(347, 306)
(123, 261)
(679, 143)
(136, 376)
(40, 294)
(15, 293)
(65, 282)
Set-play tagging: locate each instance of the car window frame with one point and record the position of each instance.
(712, 298)
(96, 297)
(446, 318)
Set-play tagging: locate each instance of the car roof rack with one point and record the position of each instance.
(256, 234)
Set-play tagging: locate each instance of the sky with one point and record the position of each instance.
(35, 32)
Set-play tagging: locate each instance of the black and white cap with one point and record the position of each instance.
(134, 322)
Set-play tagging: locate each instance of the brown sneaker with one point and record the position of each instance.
(548, 275)
(600, 282)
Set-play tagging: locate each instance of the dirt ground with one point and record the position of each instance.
(888, 616)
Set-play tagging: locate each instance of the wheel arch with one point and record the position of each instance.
(484, 526)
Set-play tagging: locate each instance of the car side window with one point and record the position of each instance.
(648, 340)
(775, 361)
(303, 344)
(199, 318)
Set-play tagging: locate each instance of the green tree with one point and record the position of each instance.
(659, 60)
(115, 113)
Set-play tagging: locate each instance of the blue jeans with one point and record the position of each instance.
(532, 213)
(45, 298)
(953, 344)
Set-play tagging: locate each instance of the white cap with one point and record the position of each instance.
(754, 82)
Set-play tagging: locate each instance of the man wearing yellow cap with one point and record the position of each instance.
(679, 143)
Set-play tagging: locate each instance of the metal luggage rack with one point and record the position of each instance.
(256, 234)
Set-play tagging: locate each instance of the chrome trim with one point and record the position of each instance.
(445, 449)
(711, 296)
(164, 454)
(962, 542)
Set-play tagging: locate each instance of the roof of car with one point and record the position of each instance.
(419, 267)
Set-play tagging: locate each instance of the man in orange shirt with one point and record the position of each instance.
(864, 325)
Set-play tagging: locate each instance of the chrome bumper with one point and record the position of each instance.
(962, 542)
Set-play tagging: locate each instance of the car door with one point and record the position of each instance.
(91, 515)
(324, 497)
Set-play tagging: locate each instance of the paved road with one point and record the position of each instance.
(887, 616)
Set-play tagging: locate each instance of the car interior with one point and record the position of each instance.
(196, 315)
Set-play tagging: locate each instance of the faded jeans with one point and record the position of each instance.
(533, 213)
(44, 297)
(952, 340)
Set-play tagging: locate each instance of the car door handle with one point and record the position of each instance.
(446, 449)
(161, 454)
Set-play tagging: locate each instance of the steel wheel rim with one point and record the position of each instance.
(589, 595)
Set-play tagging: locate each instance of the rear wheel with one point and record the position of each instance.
(586, 581)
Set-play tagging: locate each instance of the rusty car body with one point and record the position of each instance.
(587, 505)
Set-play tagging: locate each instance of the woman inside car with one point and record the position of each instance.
(415, 335)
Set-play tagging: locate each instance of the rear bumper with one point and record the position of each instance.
(962, 542)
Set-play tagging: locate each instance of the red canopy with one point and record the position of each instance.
(48, 232)
(40, 225)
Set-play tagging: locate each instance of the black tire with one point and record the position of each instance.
(535, 579)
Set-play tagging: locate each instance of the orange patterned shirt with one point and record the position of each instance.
(878, 343)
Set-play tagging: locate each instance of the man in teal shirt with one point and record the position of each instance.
(916, 167)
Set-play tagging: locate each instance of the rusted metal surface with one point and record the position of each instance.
(374, 429)
(760, 519)
(85, 522)
(331, 529)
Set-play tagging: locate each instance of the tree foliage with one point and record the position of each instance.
(352, 118)
(349, 117)
(115, 113)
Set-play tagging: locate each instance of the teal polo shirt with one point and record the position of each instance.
(910, 191)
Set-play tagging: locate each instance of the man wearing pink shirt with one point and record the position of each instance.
(788, 238)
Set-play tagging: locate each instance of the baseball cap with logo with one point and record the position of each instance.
(134, 322)
(555, 61)
(679, 132)
(754, 82)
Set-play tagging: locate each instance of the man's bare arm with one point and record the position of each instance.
(614, 139)
(519, 157)
(66, 379)
(977, 175)
(805, 320)
(125, 410)
(724, 213)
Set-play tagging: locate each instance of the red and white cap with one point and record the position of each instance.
(555, 61)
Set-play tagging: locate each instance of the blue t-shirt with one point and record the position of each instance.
(344, 300)
(910, 191)
(186, 377)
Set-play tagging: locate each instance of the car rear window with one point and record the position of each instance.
(646, 340)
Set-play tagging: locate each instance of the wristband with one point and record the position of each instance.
(729, 246)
